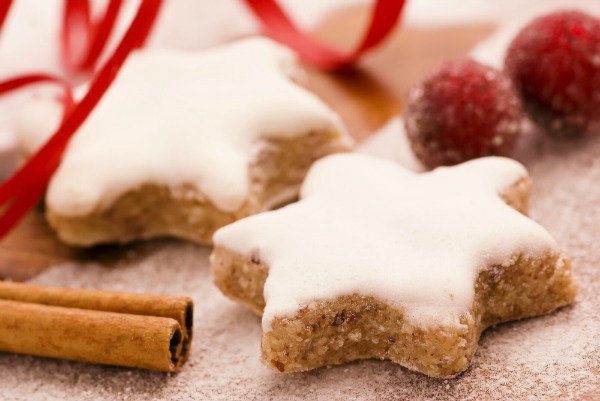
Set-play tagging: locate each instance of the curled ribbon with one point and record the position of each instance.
(279, 26)
(22, 190)
(78, 27)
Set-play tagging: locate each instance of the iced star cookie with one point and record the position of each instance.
(184, 143)
(376, 261)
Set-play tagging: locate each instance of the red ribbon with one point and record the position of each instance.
(280, 27)
(92, 36)
(4, 8)
(26, 193)
(21, 191)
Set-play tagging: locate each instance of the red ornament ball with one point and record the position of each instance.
(554, 63)
(461, 111)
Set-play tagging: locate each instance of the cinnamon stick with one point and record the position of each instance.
(108, 327)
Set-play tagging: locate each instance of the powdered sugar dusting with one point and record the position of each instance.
(546, 358)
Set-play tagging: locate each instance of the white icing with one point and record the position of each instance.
(369, 226)
(173, 117)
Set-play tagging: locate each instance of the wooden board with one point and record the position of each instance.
(365, 97)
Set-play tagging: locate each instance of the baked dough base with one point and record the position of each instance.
(155, 210)
(356, 327)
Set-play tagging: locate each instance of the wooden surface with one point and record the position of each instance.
(365, 97)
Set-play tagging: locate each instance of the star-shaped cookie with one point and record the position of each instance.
(376, 261)
(185, 142)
